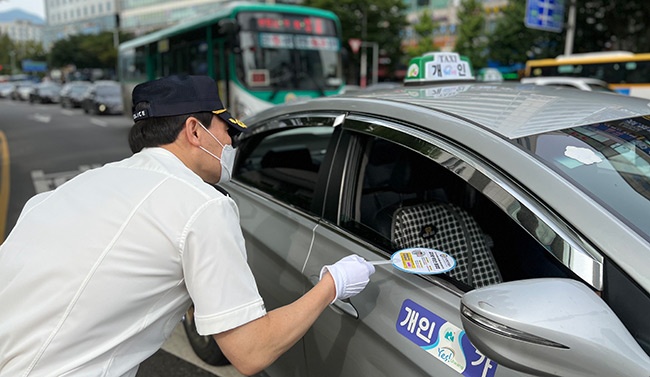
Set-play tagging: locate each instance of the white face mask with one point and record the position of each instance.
(227, 158)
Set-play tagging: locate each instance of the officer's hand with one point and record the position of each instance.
(351, 275)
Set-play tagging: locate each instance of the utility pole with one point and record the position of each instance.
(570, 28)
(116, 30)
(364, 56)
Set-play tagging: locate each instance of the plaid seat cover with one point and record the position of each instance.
(440, 226)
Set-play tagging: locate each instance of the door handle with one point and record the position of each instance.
(344, 306)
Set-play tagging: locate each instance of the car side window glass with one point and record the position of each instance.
(286, 163)
(408, 200)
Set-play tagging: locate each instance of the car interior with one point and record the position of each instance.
(408, 200)
(404, 200)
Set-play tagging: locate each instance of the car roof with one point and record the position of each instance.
(562, 79)
(511, 110)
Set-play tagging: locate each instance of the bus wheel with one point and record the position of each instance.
(204, 346)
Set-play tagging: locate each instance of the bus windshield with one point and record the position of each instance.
(288, 52)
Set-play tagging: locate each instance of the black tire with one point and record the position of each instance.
(204, 346)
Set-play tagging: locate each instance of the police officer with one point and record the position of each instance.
(96, 274)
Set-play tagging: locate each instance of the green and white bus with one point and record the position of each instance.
(259, 54)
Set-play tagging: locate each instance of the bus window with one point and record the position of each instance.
(133, 65)
(189, 53)
(637, 72)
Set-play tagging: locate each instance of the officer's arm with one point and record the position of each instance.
(255, 345)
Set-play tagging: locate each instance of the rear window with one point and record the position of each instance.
(108, 90)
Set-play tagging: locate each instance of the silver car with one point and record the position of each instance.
(542, 197)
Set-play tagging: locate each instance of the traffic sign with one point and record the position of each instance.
(545, 15)
(355, 44)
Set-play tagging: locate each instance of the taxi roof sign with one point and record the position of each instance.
(438, 67)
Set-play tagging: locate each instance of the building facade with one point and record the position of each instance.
(444, 13)
(22, 31)
(143, 16)
(71, 17)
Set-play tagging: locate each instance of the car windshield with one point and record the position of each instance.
(609, 161)
(78, 88)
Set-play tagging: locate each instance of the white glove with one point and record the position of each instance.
(351, 275)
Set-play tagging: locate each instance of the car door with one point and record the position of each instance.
(275, 185)
(404, 324)
(401, 324)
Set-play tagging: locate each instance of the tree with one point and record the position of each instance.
(86, 51)
(612, 25)
(424, 29)
(512, 42)
(6, 46)
(472, 41)
(21, 50)
(381, 21)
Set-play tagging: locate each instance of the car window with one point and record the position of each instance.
(286, 163)
(610, 162)
(108, 90)
(404, 198)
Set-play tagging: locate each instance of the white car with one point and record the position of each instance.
(582, 83)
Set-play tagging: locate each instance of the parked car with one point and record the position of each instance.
(103, 98)
(582, 83)
(72, 93)
(6, 88)
(541, 195)
(45, 92)
(21, 90)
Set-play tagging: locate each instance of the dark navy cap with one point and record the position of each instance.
(180, 95)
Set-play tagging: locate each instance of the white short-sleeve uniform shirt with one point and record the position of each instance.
(97, 273)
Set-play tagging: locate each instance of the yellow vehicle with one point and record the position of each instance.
(625, 72)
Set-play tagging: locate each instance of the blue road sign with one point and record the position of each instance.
(34, 66)
(545, 15)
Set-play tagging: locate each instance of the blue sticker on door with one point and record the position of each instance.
(443, 340)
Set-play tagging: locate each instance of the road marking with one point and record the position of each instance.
(4, 183)
(42, 118)
(68, 112)
(98, 122)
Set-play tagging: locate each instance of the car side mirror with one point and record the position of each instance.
(551, 327)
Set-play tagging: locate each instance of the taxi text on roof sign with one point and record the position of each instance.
(438, 67)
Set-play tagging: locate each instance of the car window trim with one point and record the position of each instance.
(574, 251)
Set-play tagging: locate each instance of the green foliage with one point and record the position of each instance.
(384, 21)
(22, 50)
(6, 45)
(424, 30)
(471, 40)
(512, 42)
(612, 25)
(85, 51)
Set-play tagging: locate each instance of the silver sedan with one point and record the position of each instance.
(540, 195)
